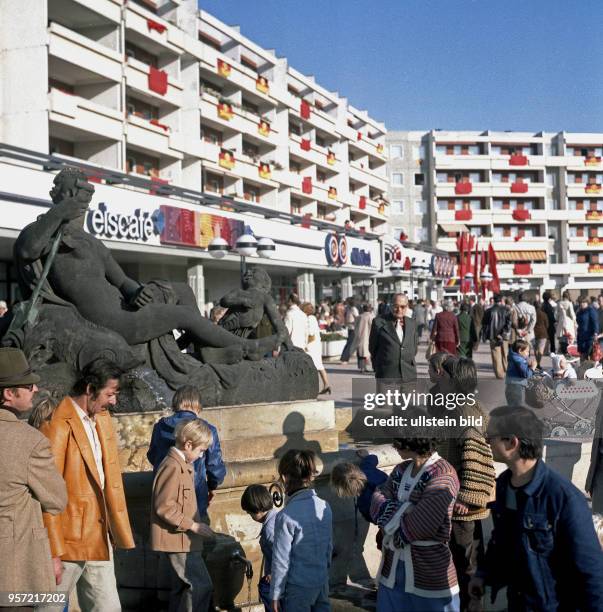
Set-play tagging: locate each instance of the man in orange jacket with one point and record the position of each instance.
(96, 518)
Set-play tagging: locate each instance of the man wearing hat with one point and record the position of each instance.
(29, 485)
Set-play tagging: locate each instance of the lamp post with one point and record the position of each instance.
(468, 280)
(486, 279)
(415, 268)
(246, 245)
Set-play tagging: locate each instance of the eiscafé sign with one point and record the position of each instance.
(137, 226)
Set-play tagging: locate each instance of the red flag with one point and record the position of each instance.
(460, 245)
(476, 269)
(483, 262)
(492, 264)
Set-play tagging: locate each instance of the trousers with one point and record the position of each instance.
(499, 353)
(192, 588)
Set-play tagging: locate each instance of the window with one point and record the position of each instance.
(420, 234)
(418, 152)
(420, 207)
(246, 105)
(250, 150)
(397, 207)
(552, 204)
(396, 152)
(397, 178)
(321, 177)
(214, 182)
(551, 178)
(419, 178)
(210, 135)
(320, 141)
(294, 128)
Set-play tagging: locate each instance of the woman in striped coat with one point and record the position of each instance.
(414, 510)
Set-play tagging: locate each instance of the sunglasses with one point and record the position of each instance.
(28, 387)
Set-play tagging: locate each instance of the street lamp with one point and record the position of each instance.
(468, 278)
(246, 245)
(486, 279)
(415, 268)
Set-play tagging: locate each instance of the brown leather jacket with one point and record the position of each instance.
(80, 532)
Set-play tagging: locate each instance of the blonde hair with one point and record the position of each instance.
(195, 431)
(44, 406)
(307, 308)
(598, 522)
(187, 397)
(348, 480)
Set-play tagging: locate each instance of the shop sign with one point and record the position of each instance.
(137, 226)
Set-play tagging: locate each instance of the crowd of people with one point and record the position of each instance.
(63, 508)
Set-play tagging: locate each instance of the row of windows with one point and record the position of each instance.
(397, 152)
(397, 207)
(398, 179)
(420, 234)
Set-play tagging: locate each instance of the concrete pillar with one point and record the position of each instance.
(305, 287)
(196, 282)
(398, 286)
(373, 294)
(347, 287)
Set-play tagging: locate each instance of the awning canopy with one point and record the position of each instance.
(521, 255)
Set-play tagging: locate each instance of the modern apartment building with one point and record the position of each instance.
(537, 197)
(159, 90)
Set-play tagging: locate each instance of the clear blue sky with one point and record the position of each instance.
(452, 64)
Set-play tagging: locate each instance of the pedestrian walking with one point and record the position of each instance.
(420, 318)
(351, 314)
(445, 332)
(496, 329)
(588, 327)
(565, 323)
(296, 322)
(541, 333)
(362, 335)
(314, 346)
(477, 314)
(467, 331)
(549, 306)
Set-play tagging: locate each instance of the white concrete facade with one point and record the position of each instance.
(76, 78)
(537, 197)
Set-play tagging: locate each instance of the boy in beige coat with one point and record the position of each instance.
(175, 526)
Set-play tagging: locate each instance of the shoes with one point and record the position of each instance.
(326, 390)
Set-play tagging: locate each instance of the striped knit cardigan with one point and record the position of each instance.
(428, 519)
(471, 457)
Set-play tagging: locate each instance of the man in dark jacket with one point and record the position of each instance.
(543, 547)
(588, 327)
(549, 309)
(393, 343)
(496, 329)
(477, 314)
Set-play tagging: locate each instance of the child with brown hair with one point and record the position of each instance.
(175, 523)
(303, 539)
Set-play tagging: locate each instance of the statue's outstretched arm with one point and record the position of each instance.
(275, 318)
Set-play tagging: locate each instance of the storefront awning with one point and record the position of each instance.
(457, 227)
(521, 255)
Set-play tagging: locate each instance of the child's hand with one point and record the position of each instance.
(460, 509)
(203, 530)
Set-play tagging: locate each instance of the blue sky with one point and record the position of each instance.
(451, 64)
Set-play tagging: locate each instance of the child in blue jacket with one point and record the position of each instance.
(303, 539)
(519, 369)
(209, 469)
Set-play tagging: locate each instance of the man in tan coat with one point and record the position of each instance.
(29, 484)
(96, 519)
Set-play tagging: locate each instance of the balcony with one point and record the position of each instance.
(240, 120)
(151, 32)
(137, 77)
(462, 162)
(364, 144)
(317, 118)
(74, 58)
(240, 76)
(580, 190)
(313, 153)
(478, 217)
(367, 177)
(249, 169)
(583, 243)
(81, 114)
(142, 134)
(449, 190)
(531, 190)
(509, 162)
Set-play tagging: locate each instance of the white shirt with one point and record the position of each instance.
(90, 429)
(400, 330)
(296, 323)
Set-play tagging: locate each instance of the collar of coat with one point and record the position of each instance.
(7, 415)
(184, 466)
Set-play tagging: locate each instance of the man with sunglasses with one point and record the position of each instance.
(29, 485)
(543, 546)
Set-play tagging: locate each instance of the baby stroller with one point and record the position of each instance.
(569, 406)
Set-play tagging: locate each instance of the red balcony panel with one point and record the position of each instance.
(463, 215)
(463, 188)
(155, 122)
(305, 144)
(155, 25)
(519, 187)
(304, 109)
(521, 215)
(158, 80)
(362, 202)
(518, 160)
(522, 268)
(307, 184)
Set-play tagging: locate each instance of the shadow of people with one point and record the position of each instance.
(562, 456)
(294, 430)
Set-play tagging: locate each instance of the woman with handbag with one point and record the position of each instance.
(445, 332)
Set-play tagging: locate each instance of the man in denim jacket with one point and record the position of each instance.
(543, 547)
